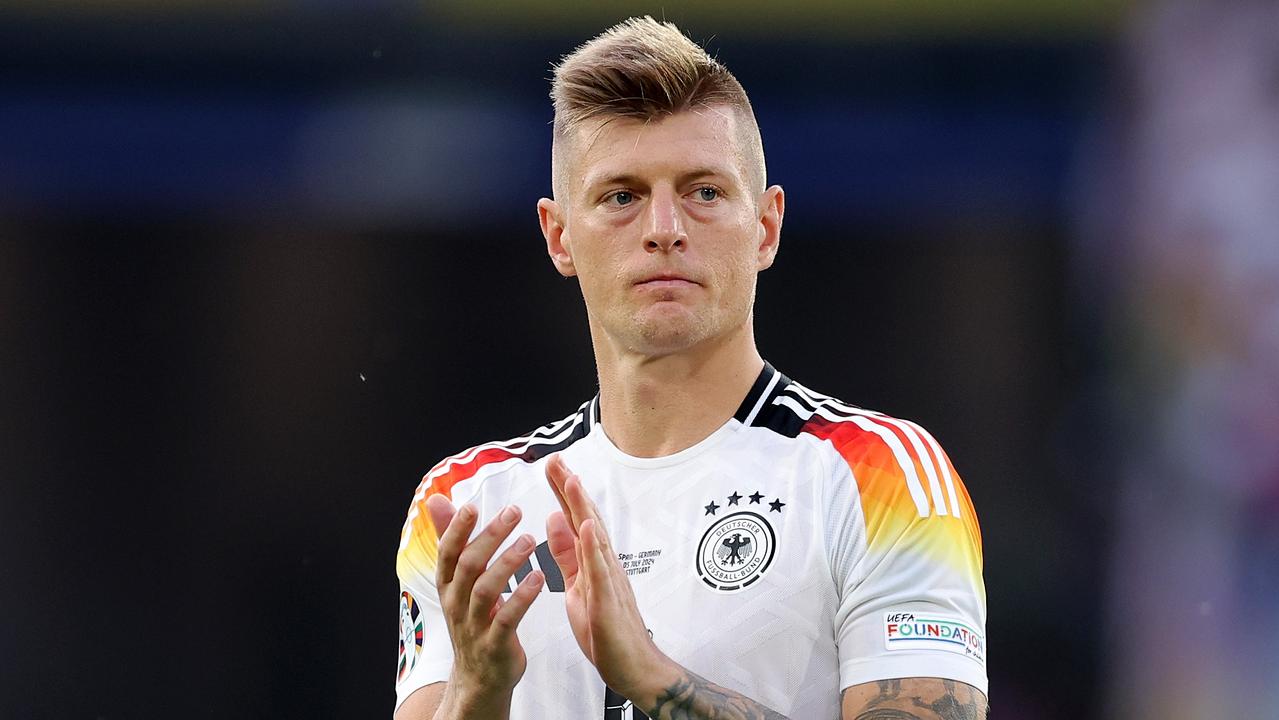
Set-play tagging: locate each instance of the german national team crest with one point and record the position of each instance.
(738, 547)
(410, 636)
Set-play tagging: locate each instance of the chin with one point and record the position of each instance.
(665, 336)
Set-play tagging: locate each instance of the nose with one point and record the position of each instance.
(664, 224)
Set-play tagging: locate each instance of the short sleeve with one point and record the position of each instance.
(425, 651)
(906, 557)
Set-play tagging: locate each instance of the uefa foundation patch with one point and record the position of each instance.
(929, 631)
(410, 636)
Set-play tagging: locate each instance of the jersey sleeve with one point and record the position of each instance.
(425, 651)
(906, 557)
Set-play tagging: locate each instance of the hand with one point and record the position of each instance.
(601, 605)
(488, 658)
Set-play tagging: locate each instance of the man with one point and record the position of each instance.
(720, 542)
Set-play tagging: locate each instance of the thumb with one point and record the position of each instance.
(562, 543)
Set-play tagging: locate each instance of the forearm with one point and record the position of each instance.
(914, 699)
(681, 694)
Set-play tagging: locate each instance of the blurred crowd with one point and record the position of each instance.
(1182, 240)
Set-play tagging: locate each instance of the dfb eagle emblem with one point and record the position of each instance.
(731, 552)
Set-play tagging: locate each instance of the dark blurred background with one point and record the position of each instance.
(263, 264)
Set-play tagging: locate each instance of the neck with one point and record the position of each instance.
(652, 406)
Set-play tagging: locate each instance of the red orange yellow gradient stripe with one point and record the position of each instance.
(892, 514)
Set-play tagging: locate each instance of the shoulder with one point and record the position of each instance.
(417, 547)
(899, 494)
(891, 459)
(480, 460)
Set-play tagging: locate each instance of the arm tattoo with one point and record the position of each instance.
(956, 701)
(693, 697)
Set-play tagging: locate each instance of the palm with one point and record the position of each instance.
(577, 602)
(600, 603)
(517, 660)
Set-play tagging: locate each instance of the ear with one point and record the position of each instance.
(551, 216)
(771, 209)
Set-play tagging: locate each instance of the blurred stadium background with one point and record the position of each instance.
(263, 263)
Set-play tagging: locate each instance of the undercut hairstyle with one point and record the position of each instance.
(646, 70)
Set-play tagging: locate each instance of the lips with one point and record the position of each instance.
(666, 280)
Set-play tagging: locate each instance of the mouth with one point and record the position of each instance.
(666, 280)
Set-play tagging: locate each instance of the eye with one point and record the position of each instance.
(622, 197)
(707, 194)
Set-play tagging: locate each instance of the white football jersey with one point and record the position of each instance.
(803, 547)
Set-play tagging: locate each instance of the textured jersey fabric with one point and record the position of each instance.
(803, 547)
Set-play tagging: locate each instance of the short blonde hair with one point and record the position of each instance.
(644, 69)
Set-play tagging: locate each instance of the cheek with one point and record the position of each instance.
(744, 278)
(598, 247)
(739, 268)
(599, 272)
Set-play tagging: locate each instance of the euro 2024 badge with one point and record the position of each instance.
(738, 547)
(410, 636)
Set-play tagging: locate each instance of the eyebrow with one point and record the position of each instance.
(632, 179)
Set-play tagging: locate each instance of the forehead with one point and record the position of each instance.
(701, 138)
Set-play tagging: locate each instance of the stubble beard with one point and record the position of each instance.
(650, 330)
(656, 333)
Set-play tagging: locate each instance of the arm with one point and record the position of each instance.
(914, 699)
(920, 565)
(607, 625)
(427, 701)
(423, 703)
(689, 696)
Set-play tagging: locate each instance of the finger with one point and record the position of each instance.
(488, 588)
(557, 473)
(622, 593)
(508, 617)
(595, 563)
(581, 581)
(452, 542)
(584, 507)
(496, 606)
(441, 512)
(475, 557)
(562, 544)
